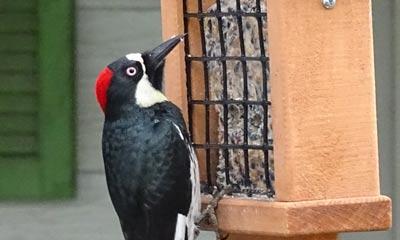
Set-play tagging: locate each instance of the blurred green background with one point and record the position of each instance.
(50, 124)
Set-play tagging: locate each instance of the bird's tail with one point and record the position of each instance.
(180, 228)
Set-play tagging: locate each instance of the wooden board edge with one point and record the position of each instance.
(174, 71)
(271, 218)
(331, 236)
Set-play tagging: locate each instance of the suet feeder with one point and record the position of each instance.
(302, 68)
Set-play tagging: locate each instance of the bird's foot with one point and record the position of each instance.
(221, 236)
(196, 233)
(209, 213)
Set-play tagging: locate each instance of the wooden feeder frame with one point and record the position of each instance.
(324, 119)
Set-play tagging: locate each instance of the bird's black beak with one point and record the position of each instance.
(155, 57)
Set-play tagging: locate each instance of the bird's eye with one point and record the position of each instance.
(131, 71)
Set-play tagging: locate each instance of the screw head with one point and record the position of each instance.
(328, 4)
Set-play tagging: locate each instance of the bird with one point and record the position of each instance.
(151, 169)
(256, 113)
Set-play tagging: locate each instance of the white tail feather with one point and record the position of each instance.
(180, 229)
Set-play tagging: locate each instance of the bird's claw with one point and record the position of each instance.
(219, 236)
(209, 213)
(196, 232)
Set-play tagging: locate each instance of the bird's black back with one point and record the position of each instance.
(148, 170)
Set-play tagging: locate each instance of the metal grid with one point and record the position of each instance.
(224, 147)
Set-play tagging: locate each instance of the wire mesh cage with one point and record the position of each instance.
(227, 69)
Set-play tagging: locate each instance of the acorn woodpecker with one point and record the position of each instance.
(151, 169)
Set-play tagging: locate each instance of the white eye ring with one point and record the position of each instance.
(131, 71)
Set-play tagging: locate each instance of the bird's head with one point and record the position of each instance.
(134, 79)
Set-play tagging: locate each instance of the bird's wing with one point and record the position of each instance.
(168, 168)
(195, 203)
(176, 118)
(166, 182)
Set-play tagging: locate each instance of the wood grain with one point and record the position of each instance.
(324, 122)
(268, 218)
(175, 77)
(174, 73)
(323, 95)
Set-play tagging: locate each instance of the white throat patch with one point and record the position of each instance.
(146, 95)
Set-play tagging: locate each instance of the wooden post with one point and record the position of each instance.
(175, 76)
(175, 84)
(322, 72)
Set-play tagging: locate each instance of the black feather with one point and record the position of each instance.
(148, 170)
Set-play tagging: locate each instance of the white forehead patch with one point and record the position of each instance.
(136, 57)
